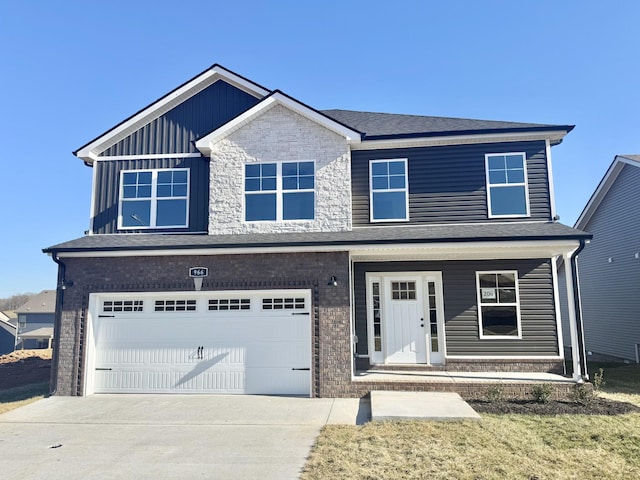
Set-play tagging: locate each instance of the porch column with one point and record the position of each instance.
(573, 326)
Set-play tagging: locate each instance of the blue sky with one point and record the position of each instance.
(70, 70)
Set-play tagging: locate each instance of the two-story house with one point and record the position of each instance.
(35, 321)
(242, 241)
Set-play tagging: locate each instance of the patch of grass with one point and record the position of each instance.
(619, 377)
(500, 446)
(513, 446)
(20, 396)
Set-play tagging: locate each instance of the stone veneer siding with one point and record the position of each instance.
(331, 368)
(279, 135)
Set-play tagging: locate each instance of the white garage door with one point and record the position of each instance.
(200, 342)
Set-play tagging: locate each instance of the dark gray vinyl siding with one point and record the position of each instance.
(611, 290)
(107, 195)
(447, 184)
(537, 310)
(175, 131)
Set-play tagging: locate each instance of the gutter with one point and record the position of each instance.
(582, 357)
(57, 323)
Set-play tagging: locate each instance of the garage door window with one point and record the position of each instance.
(122, 306)
(218, 304)
(283, 304)
(175, 305)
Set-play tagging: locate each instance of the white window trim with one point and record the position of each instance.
(374, 357)
(405, 190)
(279, 191)
(524, 184)
(153, 199)
(510, 304)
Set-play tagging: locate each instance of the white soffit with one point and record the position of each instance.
(603, 188)
(206, 143)
(91, 151)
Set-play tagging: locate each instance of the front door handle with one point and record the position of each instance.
(422, 322)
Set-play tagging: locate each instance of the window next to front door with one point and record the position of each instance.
(498, 305)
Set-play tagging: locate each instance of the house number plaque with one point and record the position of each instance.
(198, 273)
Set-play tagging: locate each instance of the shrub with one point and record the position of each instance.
(495, 393)
(583, 393)
(598, 380)
(542, 392)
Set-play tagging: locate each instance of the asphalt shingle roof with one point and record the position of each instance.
(357, 236)
(392, 124)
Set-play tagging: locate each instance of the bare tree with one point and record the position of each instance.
(15, 301)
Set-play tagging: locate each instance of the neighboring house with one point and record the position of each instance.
(243, 242)
(8, 321)
(610, 265)
(35, 321)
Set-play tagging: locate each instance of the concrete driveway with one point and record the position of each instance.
(167, 436)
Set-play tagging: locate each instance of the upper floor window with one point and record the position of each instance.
(507, 190)
(279, 191)
(389, 198)
(498, 304)
(154, 198)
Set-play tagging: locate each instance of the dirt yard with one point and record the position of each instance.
(24, 367)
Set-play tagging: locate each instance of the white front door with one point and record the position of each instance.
(406, 318)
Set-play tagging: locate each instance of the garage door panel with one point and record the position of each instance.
(204, 351)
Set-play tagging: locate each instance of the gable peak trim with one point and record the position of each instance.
(91, 151)
(276, 97)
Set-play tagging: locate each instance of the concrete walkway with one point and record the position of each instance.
(167, 436)
(420, 406)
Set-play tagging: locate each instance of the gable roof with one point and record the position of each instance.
(369, 125)
(277, 97)
(44, 302)
(90, 151)
(604, 186)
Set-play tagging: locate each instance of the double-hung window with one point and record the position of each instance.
(389, 195)
(507, 190)
(279, 191)
(498, 304)
(154, 198)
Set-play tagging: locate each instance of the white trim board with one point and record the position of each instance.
(430, 251)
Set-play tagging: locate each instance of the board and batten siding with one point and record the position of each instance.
(107, 195)
(448, 183)
(175, 131)
(537, 308)
(610, 290)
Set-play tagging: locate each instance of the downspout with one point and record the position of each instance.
(578, 308)
(57, 322)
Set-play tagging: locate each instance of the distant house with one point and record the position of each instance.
(35, 321)
(609, 267)
(8, 321)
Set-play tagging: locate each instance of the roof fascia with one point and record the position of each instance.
(554, 137)
(205, 144)
(491, 249)
(95, 147)
(482, 131)
(603, 188)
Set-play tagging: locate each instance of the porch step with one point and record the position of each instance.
(409, 368)
(386, 405)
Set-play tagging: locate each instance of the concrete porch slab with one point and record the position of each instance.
(420, 406)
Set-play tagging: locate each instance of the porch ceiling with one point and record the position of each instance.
(464, 251)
